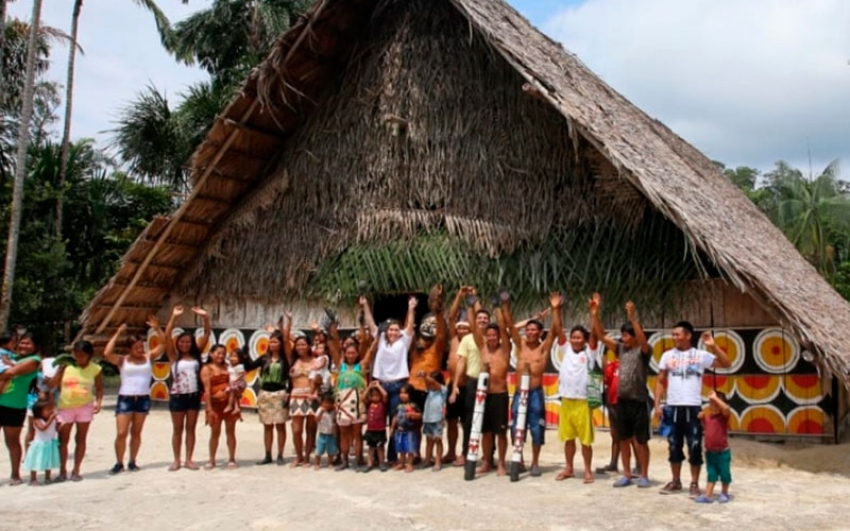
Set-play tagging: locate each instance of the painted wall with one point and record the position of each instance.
(771, 389)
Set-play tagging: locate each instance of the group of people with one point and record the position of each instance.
(386, 378)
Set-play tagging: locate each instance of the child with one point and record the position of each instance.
(43, 453)
(7, 356)
(432, 418)
(326, 419)
(718, 456)
(376, 426)
(404, 430)
(236, 371)
(320, 374)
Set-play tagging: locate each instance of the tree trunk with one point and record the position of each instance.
(66, 134)
(3, 4)
(20, 172)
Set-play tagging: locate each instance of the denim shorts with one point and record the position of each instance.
(535, 416)
(326, 444)
(433, 430)
(184, 402)
(133, 404)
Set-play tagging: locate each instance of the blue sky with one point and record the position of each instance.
(747, 82)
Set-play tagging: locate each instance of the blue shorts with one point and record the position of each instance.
(326, 444)
(535, 416)
(433, 430)
(133, 404)
(406, 442)
(184, 402)
(684, 425)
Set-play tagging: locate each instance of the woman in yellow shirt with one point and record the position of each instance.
(80, 397)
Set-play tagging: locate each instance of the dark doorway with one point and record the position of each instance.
(395, 307)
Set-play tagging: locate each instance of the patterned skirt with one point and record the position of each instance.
(271, 405)
(302, 404)
(350, 409)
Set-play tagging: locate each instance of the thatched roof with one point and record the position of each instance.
(251, 172)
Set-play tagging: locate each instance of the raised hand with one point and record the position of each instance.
(708, 340)
(288, 316)
(412, 302)
(556, 299)
(200, 312)
(177, 311)
(269, 328)
(363, 301)
(122, 329)
(631, 312)
(152, 321)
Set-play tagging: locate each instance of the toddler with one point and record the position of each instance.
(236, 371)
(432, 418)
(326, 419)
(320, 374)
(43, 453)
(718, 456)
(376, 426)
(403, 429)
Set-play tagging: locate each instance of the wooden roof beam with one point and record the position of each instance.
(253, 129)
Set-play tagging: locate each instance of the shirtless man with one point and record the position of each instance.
(534, 353)
(457, 329)
(495, 348)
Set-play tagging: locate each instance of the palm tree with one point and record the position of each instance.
(163, 26)
(811, 212)
(20, 171)
(233, 36)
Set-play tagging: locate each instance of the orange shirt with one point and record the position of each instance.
(429, 361)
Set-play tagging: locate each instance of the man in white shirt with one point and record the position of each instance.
(680, 376)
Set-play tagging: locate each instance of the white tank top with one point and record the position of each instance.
(135, 378)
(185, 374)
(48, 434)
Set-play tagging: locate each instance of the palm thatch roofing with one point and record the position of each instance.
(375, 120)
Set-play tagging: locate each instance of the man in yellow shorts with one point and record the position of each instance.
(578, 357)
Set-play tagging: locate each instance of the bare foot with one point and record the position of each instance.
(316, 466)
(588, 478)
(398, 466)
(502, 471)
(191, 465)
(484, 468)
(566, 473)
(448, 458)
(174, 466)
(298, 462)
(408, 468)
(208, 466)
(460, 461)
(232, 464)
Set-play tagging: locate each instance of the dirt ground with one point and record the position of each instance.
(774, 487)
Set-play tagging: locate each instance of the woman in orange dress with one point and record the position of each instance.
(216, 380)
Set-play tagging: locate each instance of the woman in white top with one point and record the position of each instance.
(390, 365)
(134, 397)
(184, 400)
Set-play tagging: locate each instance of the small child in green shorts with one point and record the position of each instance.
(718, 456)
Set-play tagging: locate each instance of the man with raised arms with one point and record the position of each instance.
(534, 353)
(457, 329)
(680, 377)
(632, 414)
(495, 348)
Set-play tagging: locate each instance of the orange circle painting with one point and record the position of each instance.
(159, 391)
(758, 388)
(803, 388)
(258, 345)
(775, 352)
(232, 339)
(161, 370)
(720, 382)
(762, 419)
(806, 421)
(249, 398)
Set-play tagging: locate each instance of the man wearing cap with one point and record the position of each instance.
(427, 354)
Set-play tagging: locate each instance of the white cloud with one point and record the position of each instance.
(122, 55)
(747, 82)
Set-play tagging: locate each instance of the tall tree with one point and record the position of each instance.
(20, 171)
(3, 6)
(812, 212)
(66, 130)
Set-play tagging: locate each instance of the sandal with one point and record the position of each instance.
(191, 466)
(15, 482)
(564, 475)
(174, 467)
(76, 477)
(693, 490)
(672, 487)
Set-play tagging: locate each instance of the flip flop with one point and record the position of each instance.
(15, 482)
(174, 467)
(76, 477)
(209, 466)
(564, 475)
(232, 465)
(192, 466)
(588, 481)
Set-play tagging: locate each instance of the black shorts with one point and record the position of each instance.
(495, 414)
(184, 402)
(632, 420)
(455, 411)
(418, 397)
(12, 417)
(376, 438)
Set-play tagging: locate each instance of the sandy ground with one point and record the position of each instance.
(775, 487)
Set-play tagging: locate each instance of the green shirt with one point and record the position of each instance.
(15, 394)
